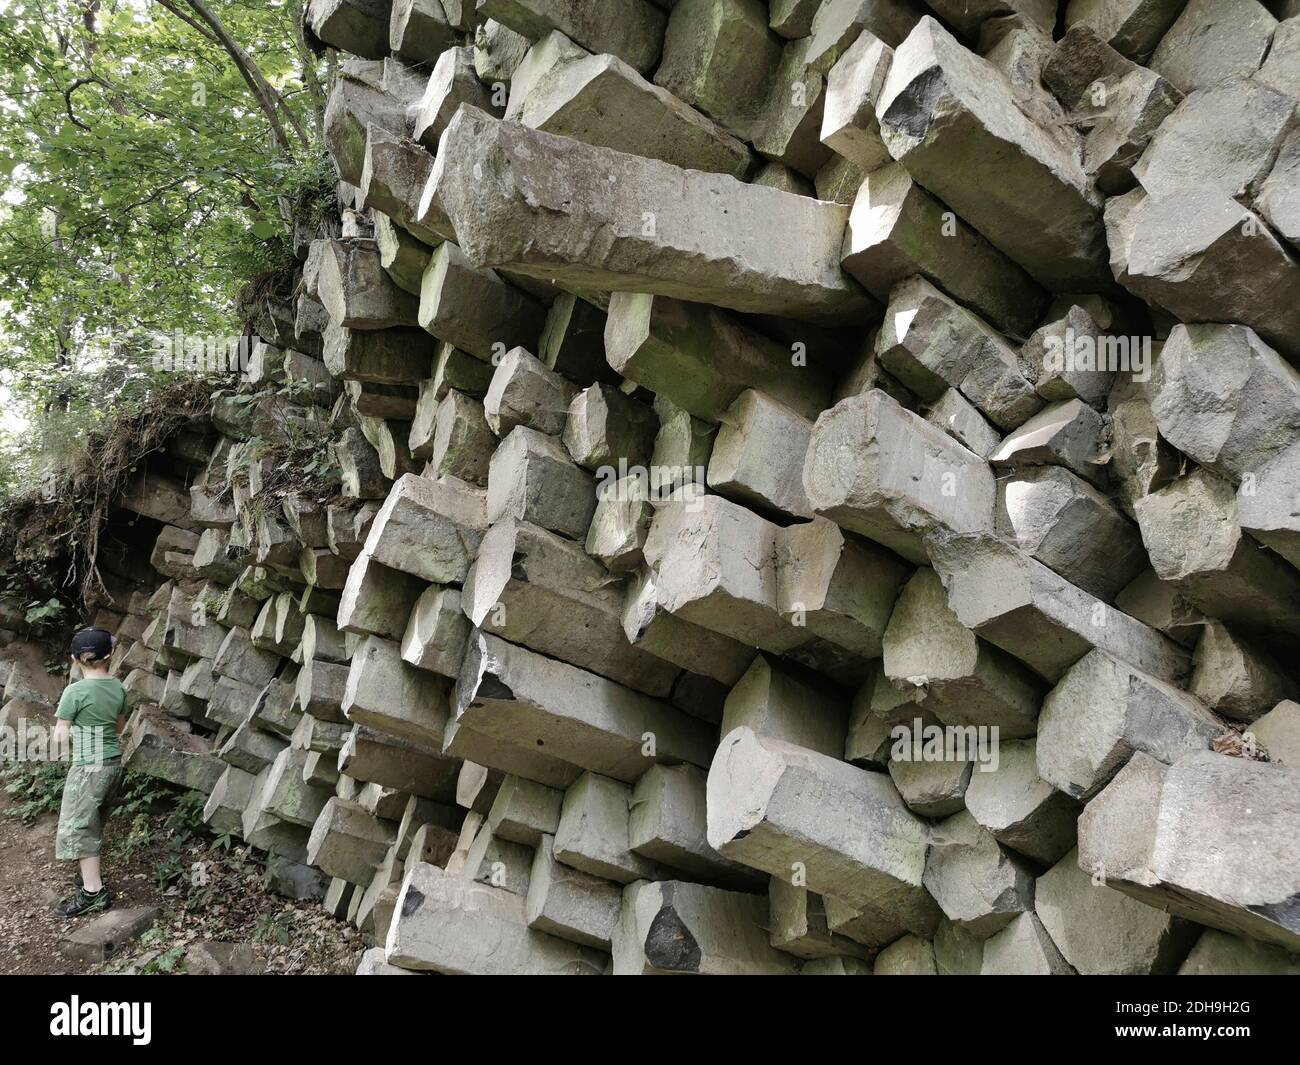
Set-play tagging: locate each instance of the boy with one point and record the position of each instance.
(93, 712)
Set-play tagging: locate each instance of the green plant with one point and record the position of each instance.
(185, 819)
(165, 963)
(141, 793)
(169, 869)
(138, 838)
(50, 610)
(37, 787)
(273, 928)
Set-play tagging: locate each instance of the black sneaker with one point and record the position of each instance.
(82, 902)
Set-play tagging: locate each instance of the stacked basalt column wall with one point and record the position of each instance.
(740, 407)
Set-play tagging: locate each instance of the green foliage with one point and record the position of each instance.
(165, 963)
(185, 818)
(142, 794)
(37, 788)
(138, 839)
(50, 610)
(140, 191)
(49, 538)
(273, 928)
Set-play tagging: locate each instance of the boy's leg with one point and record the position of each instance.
(90, 878)
(75, 813)
(80, 825)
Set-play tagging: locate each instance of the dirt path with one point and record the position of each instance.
(288, 937)
(31, 882)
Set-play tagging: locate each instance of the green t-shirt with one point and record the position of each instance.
(93, 706)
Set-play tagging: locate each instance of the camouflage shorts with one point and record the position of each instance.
(88, 796)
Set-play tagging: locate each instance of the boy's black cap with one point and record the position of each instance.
(98, 641)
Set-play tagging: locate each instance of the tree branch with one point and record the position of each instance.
(262, 89)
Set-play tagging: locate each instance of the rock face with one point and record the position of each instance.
(555, 213)
(882, 471)
(1153, 828)
(792, 487)
(952, 120)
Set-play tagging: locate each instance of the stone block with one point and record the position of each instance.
(1195, 541)
(1203, 257)
(668, 825)
(1225, 399)
(1225, 136)
(430, 529)
(474, 309)
(448, 924)
(593, 832)
(1067, 434)
(675, 926)
(849, 125)
(771, 804)
(633, 30)
(898, 230)
(908, 956)
(555, 214)
(797, 924)
(356, 26)
(1102, 712)
(1219, 954)
(386, 694)
(599, 99)
(931, 344)
(980, 887)
(1278, 732)
(776, 701)
(953, 121)
(619, 526)
(1131, 27)
(963, 680)
(714, 565)
(588, 721)
(1213, 40)
(525, 811)
(398, 356)
(523, 391)
(357, 292)
(1023, 948)
(418, 31)
(648, 625)
(569, 903)
(1235, 675)
(1120, 104)
(841, 589)
(1071, 527)
(1172, 837)
(879, 470)
(347, 842)
(702, 359)
(525, 577)
(452, 82)
(1034, 614)
(437, 632)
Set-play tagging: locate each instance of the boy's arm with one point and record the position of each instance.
(64, 716)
